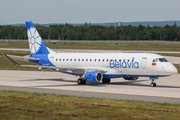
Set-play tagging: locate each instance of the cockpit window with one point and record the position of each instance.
(162, 60)
(155, 60)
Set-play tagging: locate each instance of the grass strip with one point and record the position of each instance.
(22, 105)
(170, 54)
(163, 46)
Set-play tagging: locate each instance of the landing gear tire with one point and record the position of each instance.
(106, 80)
(81, 81)
(153, 85)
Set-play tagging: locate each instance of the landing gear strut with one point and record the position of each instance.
(153, 84)
(81, 81)
(106, 80)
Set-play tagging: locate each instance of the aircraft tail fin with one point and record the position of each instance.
(36, 43)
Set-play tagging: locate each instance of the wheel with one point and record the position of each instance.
(79, 81)
(153, 84)
(106, 80)
(83, 81)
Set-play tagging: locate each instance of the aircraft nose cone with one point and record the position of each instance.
(172, 70)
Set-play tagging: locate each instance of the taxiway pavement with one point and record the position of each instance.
(167, 90)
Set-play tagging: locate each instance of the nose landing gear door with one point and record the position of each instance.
(143, 63)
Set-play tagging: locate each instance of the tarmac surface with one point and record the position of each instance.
(167, 90)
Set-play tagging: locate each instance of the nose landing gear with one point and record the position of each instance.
(153, 83)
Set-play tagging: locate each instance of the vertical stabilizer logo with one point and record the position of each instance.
(34, 40)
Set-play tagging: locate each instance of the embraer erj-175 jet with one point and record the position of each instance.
(95, 67)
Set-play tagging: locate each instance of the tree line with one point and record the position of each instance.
(95, 32)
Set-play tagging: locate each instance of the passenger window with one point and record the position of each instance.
(99, 60)
(82, 59)
(128, 60)
(132, 60)
(56, 59)
(59, 59)
(86, 59)
(63, 59)
(119, 60)
(90, 59)
(67, 60)
(115, 60)
(74, 59)
(103, 60)
(79, 60)
(94, 59)
(107, 60)
(70, 59)
(124, 60)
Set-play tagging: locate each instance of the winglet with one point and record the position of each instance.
(13, 61)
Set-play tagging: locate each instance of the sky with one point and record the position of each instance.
(93, 11)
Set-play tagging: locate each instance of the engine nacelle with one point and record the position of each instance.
(93, 76)
(131, 78)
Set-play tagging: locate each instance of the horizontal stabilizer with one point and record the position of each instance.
(26, 58)
(13, 61)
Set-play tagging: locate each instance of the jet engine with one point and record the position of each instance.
(131, 78)
(93, 76)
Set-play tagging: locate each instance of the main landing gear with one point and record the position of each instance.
(81, 81)
(106, 80)
(153, 83)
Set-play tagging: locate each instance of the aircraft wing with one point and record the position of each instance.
(72, 70)
(75, 70)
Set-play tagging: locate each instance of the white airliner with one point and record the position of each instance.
(95, 67)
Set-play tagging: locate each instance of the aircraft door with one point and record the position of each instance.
(143, 63)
